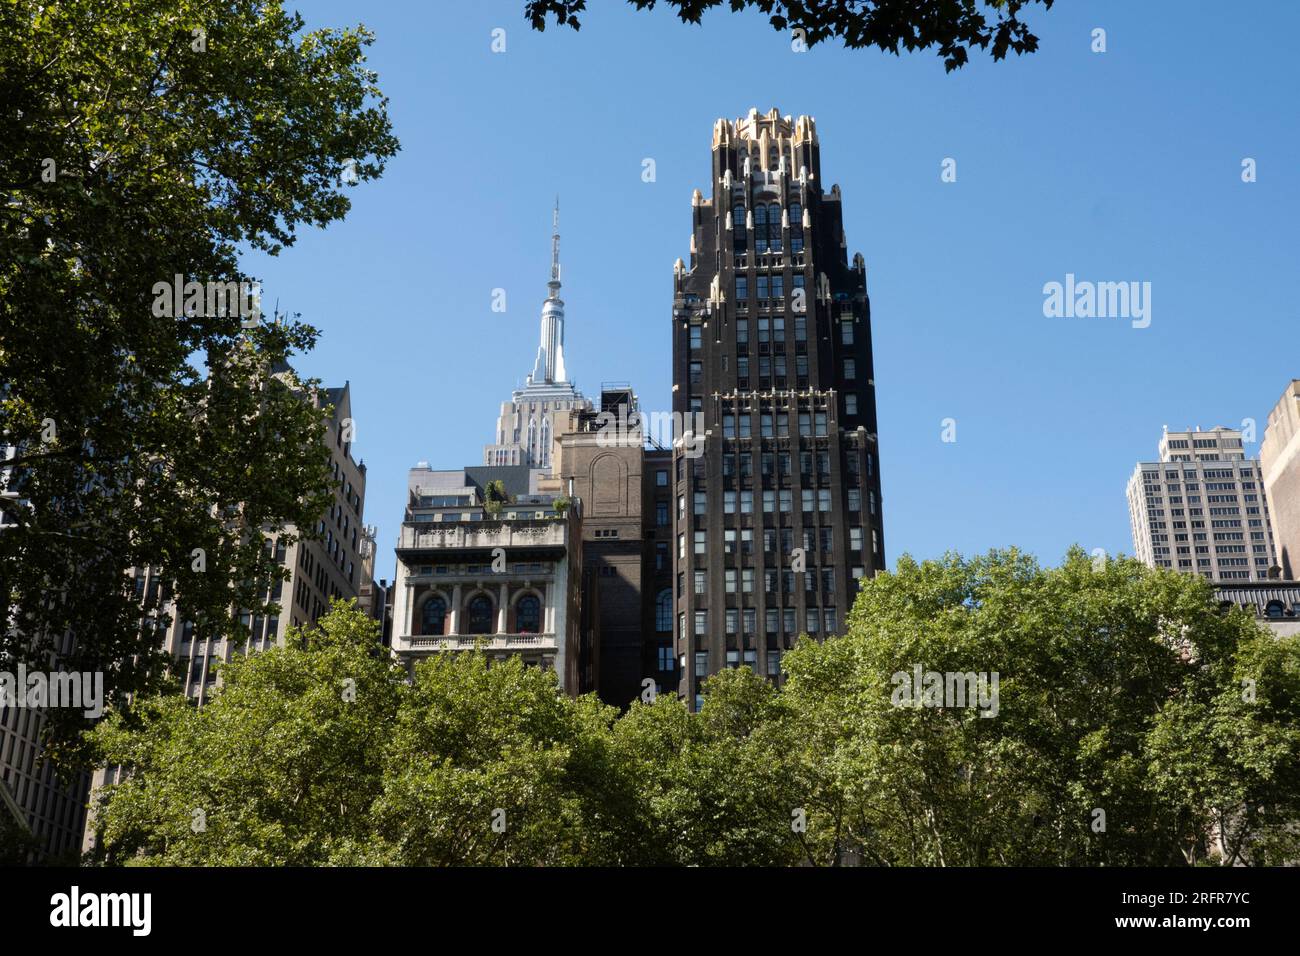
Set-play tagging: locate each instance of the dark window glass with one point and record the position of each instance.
(528, 615)
(664, 611)
(479, 614)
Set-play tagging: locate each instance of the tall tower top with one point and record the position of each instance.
(549, 366)
(554, 283)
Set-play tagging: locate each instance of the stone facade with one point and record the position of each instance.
(509, 583)
(1200, 508)
(1279, 456)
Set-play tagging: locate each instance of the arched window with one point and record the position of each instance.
(479, 613)
(433, 616)
(1275, 609)
(774, 226)
(528, 615)
(739, 232)
(664, 611)
(760, 228)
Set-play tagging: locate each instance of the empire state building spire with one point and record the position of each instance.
(549, 366)
(542, 408)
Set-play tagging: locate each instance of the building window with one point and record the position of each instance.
(661, 477)
(479, 614)
(696, 337)
(528, 615)
(850, 404)
(434, 615)
(664, 612)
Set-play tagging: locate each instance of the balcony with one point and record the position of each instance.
(483, 534)
(488, 642)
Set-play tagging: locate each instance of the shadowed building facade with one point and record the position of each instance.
(771, 328)
(627, 533)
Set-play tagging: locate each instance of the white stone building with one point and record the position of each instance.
(509, 583)
(1200, 508)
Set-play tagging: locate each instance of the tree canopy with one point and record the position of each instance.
(148, 142)
(954, 26)
(1132, 722)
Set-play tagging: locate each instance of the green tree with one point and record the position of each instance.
(716, 788)
(490, 765)
(1134, 723)
(148, 139)
(281, 767)
(495, 496)
(954, 26)
(16, 840)
(1119, 694)
(321, 753)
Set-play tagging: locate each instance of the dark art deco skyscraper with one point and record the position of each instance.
(781, 514)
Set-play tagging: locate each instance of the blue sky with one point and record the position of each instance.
(1115, 166)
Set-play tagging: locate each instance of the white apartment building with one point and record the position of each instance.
(1200, 508)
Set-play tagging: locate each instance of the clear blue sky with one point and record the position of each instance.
(1117, 166)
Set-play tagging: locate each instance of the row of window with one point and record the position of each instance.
(734, 660)
(744, 537)
(480, 616)
(776, 621)
(767, 227)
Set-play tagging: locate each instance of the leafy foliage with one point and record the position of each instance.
(954, 26)
(1121, 689)
(495, 496)
(146, 139)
